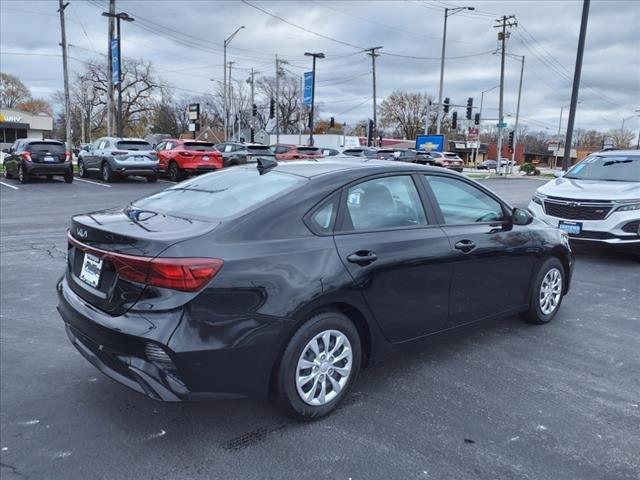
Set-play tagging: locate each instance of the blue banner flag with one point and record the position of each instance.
(115, 62)
(308, 87)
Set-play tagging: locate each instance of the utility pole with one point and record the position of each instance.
(313, 91)
(277, 99)
(566, 161)
(300, 112)
(515, 130)
(427, 107)
(225, 96)
(447, 13)
(373, 53)
(110, 25)
(504, 22)
(251, 80)
(67, 102)
(555, 156)
(228, 101)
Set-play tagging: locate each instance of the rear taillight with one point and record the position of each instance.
(184, 153)
(67, 156)
(118, 152)
(26, 156)
(184, 274)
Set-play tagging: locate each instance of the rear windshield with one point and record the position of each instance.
(220, 195)
(452, 155)
(614, 168)
(309, 149)
(133, 145)
(46, 147)
(259, 148)
(199, 146)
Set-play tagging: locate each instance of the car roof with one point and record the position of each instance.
(617, 152)
(312, 168)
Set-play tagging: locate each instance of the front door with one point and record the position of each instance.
(398, 261)
(494, 259)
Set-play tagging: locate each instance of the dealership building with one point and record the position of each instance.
(15, 124)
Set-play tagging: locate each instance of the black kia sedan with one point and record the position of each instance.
(283, 280)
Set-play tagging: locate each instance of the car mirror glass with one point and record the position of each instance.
(520, 216)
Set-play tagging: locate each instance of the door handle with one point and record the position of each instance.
(362, 257)
(465, 245)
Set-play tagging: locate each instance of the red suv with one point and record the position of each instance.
(291, 152)
(181, 158)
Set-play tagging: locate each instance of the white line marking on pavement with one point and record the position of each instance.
(166, 181)
(10, 186)
(95, 183)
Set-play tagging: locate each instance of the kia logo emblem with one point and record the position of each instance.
(81, 233)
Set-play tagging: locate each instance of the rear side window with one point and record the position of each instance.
(133, 145)
(220, 195)
(46, 147)
(323, 218)
(260, 149)
(199, 146)
(388, 202)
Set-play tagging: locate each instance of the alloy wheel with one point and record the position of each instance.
(550, 291)
(324, 367)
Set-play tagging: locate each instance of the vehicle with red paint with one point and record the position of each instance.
(182, 158)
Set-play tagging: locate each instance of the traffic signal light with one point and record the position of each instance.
(332, 122)
(454, 121)
(371, 133)
(254, 110)
(511, 140)
(469, 107)
(476, 120)
(272, 108)
(446, 105)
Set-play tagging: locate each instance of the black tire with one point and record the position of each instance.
(535, 314)
(68, 177)
(175, 175)
(81, 170)
(49, 177)
(22, 175)
(107, 174)
(286, 390)
(152, 178)
(6, 172)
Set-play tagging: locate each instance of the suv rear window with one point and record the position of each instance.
(452, 155)
(220, 195)
(199, 146)
(133, 145)
(309, 149)
(49, 147)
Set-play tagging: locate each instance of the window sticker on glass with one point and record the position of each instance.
(354, 197)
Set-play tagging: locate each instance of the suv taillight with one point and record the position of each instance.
(67, 156)
(184, 153)
(26, 156)
(184, 274)
(118, 152)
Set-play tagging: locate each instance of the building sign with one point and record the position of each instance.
(10, 118)
(308, 89)
(115, 62)
(430, 143)
(474, 133)
(194, 111)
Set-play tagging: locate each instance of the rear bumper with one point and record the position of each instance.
(201, 368)
(34, 168)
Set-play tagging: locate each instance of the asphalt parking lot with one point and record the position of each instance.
(506, 400)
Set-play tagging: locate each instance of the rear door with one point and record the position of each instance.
(397, 259)
(493, 258)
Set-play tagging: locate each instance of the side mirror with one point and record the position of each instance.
(520, 216)
(558, 174)
(5, 150)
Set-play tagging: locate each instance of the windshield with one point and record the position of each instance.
(614, 168)
(199, 146)
(219, 195)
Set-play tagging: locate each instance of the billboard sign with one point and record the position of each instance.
(194, 111)
(474, 133)
(308, 88)
(430, 143)
(115, 62)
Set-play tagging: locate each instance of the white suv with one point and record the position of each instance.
(598, 200)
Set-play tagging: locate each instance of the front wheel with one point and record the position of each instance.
(318, 366)
(174, 172)
(23, 176)
(107, 173)
(68, 177)
(547, 292)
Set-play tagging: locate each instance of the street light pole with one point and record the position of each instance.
(227, 41)
(67, 102)
(313, 91)
(515, 130)
(447, 13)
(475, 157)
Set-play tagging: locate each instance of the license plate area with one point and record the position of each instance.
(91, 270)
(49, 158)
(572, 228)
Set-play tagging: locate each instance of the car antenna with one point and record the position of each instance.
(266, 164)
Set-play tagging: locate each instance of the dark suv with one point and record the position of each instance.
(29, 157)
(240, 153)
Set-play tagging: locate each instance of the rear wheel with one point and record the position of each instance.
(68, 177)
(107, 173)
(547, 292)
(82, 171)
(23, 176)
(6, 172)
(318, 366)
(175, 175)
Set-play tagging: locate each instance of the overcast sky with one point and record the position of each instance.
(184, 41)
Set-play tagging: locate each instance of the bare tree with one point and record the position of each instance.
(12, 91)
(403, 113)
(621, 138)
